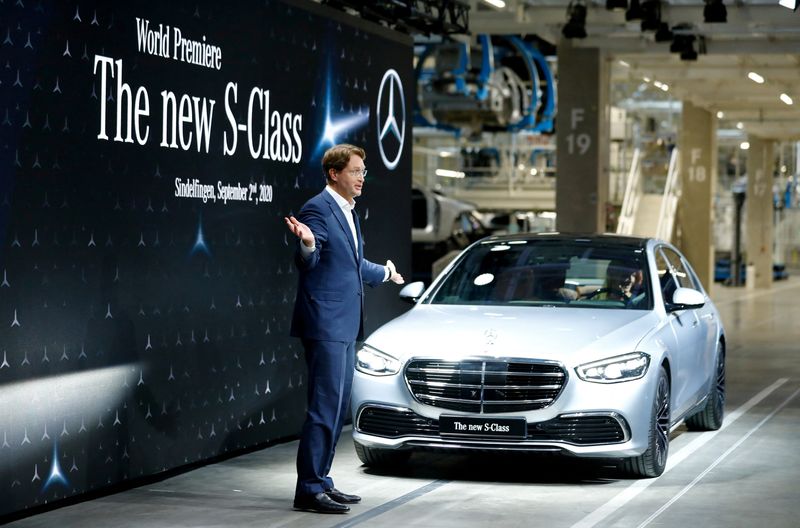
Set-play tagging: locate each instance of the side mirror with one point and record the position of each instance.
(412, 291)
(686, 299)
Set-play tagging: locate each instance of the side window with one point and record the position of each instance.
(665, 276)
(682, 275)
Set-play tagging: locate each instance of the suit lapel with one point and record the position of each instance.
(339, 214)
(358, 235)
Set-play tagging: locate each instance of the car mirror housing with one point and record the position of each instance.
(686, 298)
(412, 292)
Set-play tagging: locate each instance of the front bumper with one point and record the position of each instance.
(587, 419)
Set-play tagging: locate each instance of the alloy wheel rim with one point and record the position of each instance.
(662, 421)
(720, 385)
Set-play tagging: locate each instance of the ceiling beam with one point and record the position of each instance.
(707, 73)
(770, 19)
(619, 47)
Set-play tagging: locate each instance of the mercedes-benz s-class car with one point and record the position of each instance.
(594, 346)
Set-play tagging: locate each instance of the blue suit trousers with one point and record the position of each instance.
(330, 379)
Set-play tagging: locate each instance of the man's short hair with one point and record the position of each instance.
(338, 156)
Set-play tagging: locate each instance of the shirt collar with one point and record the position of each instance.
(340, 200)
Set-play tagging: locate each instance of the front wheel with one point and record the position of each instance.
(710, 417)
(652, 462)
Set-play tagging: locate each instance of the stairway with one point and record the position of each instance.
(647, 215)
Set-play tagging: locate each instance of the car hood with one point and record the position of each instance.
(569, 335)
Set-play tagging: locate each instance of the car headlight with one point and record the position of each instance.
(616, 369)
(376, 363)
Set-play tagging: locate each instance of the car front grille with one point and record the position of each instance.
(485, 386)
(589, 429)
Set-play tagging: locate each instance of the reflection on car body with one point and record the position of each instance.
(594, 346)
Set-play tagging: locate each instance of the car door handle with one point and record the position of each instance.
(709, 316)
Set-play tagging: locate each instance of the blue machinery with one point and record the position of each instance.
(503, 84)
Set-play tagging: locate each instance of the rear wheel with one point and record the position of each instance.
(711, 416)
(381, 458)
(652, 462)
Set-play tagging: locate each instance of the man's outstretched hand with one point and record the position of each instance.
(393, 275)
(300, 230)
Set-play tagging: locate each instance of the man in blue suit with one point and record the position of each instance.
(328, 318)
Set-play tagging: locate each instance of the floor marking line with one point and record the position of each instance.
(629, 493)
(714, 464)
(704, 438)
(392, 504)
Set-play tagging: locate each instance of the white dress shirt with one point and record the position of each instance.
(347, 209)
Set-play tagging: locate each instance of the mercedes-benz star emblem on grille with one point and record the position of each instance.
(391, 132)
(491, 336)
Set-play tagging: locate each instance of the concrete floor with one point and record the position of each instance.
(747, 474)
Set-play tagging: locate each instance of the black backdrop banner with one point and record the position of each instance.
(148, 154)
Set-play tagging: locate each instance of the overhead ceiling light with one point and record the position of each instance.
(499, 4)
(651, 15)
(720, 114)
(740, 125)
(689, 54)
(449, 173)
(744, 145)
(623, 63)
(715, 12)
(664, 87)
(791, 4)
(646, 79)
(634, 11)
(681, 42)
(576, 23)
(616, 5)
(786, 99)
(663, 34)
(755, 77)
(446, 154)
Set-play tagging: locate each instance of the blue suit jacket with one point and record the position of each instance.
(330, 295)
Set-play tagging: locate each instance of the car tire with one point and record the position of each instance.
(652, 462)
(381, 458)
(711, 416)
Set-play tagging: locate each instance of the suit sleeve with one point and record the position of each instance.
(312, 216)
(372, 274)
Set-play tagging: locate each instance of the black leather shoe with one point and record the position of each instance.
(319, 503)
(342, 498)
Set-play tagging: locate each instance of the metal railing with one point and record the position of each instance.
(633, 194)
(669, 202)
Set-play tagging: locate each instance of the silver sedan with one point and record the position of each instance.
(595, 346)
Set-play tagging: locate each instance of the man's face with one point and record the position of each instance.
(349, 181)
(622, 279)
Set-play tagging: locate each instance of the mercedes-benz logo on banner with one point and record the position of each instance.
(391, 119)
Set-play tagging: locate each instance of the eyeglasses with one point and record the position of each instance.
(357, 172)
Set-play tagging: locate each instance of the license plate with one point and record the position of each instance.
(483, 427)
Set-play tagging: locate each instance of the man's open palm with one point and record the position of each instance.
(300, 230)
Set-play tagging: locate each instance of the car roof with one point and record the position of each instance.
(605, 239)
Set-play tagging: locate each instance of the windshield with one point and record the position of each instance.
(563, 273)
